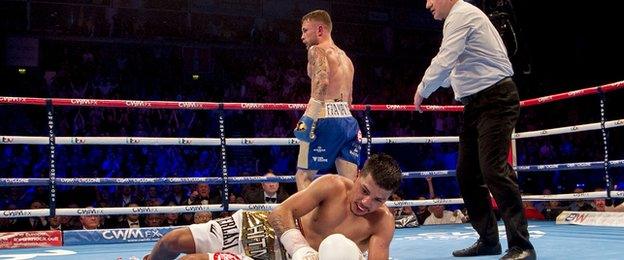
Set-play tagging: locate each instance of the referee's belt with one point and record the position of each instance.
(335, 110)
(467, 99)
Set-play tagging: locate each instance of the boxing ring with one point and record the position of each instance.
(427, 242)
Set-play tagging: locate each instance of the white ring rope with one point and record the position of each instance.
(233, 207)
(42, 140)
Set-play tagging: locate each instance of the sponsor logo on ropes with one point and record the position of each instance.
(195, 208)
(144, 210)
(252, 106)
(7, 140)
(16, 213)
(396, 107)
(190, 105)
(580, 195)
(544, 99)
(441, 201)
(246, 141)
(619, 122)
(185, 141)
(83, 212)
(135, 180)
(619, 193)
(293, 141)
(400, 203)
(574, 128)
(550, 166)
(11, 99)
(543, 132)
(83, 102)
(134, 103)
(131, 140)
(433, 173)
(390, 141)
(78, 140)
(132, 234)
(429, 140)
(296, 106)
(574, 93)
(189, 179)
(15, 180)
(574, 165)
(259, 207)
(87, 180)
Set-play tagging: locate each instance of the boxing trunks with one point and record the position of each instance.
(244, 235)
(337, 135)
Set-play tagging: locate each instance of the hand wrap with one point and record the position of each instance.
(304, 131)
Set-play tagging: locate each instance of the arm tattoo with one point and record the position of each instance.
(278, 225)
(320, 72)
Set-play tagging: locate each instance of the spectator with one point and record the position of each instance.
(127, 196)
(177, 196)
(171, 219)
(401, 211)
(153, 220)
(36, 223)
(201, 196)
(131, 220)
(270, 193)
(441, 216)
(90, 221)
(202, 217)
(552, 209)
(531, 212)
(581, 205)
(422, 212)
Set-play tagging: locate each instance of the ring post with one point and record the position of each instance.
(225, 192)
(52, 156)
(369, 138)
(605, 144)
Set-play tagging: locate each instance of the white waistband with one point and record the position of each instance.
(335, 109)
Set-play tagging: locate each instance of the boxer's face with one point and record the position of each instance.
(309, 35)
(367, 196)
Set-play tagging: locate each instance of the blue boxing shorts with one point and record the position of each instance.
(337, 136)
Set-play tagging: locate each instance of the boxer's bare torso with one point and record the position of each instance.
(335, 215)
(327, 61)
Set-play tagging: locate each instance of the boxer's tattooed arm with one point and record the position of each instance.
(278, 224)
(320, 72)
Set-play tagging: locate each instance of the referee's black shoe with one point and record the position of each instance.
(479, 248)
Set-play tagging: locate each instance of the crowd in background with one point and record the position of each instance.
(153, 53)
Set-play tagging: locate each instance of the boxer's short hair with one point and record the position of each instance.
(320, 16)
(385, 171)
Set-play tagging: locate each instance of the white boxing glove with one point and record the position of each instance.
(339, 247)
(297, 246)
